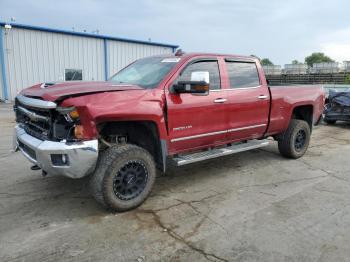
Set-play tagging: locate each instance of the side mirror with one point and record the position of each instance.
(191, 87)
(199, 84)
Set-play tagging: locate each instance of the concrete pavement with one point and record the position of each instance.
(252, 206)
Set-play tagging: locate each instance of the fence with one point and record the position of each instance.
(331, 78)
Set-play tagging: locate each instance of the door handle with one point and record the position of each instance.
(220, 100)
(262, 97)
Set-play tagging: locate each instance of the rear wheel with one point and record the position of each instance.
(295, 140)
(123, 178)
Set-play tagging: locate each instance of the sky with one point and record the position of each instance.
(281, 30)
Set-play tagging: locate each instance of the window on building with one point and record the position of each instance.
(242, 74)
(209, 66)
(73, 74)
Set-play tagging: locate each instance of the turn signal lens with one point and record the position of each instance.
(79, 132)
(74, 114)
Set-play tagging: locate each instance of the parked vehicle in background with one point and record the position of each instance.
(159, 110)
(337, 106)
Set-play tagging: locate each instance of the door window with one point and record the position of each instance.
(210, 66)
(242, 74)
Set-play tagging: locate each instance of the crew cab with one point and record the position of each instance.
(160, 110)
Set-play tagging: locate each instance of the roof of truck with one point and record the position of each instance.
(195, 54)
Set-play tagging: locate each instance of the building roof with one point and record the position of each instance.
(107, 37)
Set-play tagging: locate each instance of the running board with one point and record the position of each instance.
(185, 159)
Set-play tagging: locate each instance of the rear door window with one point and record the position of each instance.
(242, 74)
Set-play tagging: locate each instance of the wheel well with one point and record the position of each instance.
(141, 133)
(304, 113)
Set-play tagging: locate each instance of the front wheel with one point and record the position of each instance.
(295, 140)
(124, 177)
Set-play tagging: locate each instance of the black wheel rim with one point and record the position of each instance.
(300, 140)
(130, 180)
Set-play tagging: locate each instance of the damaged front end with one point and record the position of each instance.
(48, 136)
(338, 106)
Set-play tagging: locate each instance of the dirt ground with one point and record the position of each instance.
(252, 206)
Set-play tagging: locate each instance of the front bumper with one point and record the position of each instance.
(80, 157)
(337, 116)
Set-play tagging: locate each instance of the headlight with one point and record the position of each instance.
(67, 124)
(70, 113)
(74, 114)
(65, 110)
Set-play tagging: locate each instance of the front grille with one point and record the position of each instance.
(27, 150)
(44, 122)
(28, 118)
(340, 109)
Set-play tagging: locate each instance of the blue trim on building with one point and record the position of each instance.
(105, 57)
(3, 66)
(60, 31)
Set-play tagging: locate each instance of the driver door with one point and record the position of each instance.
(197, 120)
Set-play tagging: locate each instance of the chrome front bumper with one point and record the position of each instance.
(80, 157)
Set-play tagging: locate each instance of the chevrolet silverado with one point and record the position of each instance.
(170, 109)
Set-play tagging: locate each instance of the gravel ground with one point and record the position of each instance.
(253, 206)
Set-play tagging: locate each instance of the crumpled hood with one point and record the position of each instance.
(340, 97)
(57, 90)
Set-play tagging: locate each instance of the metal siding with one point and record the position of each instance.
(121, 54)
(35, 56)
(2, 96)
(2, 64)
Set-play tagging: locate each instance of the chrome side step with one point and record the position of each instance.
(185, 159)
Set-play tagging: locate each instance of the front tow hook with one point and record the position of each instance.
(35, 167)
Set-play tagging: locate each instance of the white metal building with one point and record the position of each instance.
(346, 66)
(295, 69)
(272, 69)
(325, 67)
(30, 55)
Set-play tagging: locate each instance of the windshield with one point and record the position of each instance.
(146, 72)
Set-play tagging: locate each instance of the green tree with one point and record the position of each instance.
(266, 61)
(347, 80)
(317, 58)
(296, 62)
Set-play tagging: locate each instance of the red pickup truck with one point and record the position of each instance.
(160, 110)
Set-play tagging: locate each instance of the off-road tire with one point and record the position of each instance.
(287, 144)
(110, 162)
(329, 122)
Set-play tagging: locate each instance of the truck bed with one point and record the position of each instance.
(285, 97)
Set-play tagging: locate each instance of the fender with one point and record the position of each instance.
(135, 105)
(131, 105)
